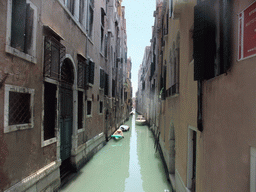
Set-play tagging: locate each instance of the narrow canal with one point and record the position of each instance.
(129, 165)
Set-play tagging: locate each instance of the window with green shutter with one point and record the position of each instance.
(23, 19)
(90, 73)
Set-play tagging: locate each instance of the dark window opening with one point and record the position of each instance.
(19, 108)
(90, 73)
(89, 107)
(106, 85)
(50, 108)
(101, 107)
(80, 109)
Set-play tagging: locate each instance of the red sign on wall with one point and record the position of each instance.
(247, 32)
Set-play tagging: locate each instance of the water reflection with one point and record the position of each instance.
(129, 165)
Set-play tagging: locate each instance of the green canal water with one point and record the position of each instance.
(129, 165)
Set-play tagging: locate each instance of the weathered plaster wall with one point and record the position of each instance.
(229, 120)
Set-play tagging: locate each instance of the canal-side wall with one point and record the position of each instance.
(86, 151)
(45, 179)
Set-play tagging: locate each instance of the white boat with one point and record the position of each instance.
(124, 127)
(140, 120)
(118, 134)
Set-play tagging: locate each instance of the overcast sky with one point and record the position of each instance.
(139, 22)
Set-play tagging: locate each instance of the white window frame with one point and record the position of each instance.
(12, 50)
(10, 128)
(75, 17)
(90, 115)
(54, 139)
(253, 169)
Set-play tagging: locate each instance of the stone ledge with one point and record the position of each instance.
(31, 182)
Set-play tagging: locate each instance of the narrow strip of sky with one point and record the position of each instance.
(139, 22)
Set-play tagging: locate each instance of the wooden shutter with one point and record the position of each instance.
(102, 78)
(226, 13)
(18, 24)
(204, 41)
(91, 72)
(106, 84)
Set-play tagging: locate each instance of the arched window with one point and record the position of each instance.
(67, 72)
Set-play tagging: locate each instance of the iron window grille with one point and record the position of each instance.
(81, 75)
(54, 55)
(18, 108)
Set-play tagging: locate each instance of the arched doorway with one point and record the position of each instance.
(66, 110)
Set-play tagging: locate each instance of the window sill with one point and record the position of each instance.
(90, 85)
(173, 96)
(49, 142)
(102, 55)
(81, 130)
(88, 116)
(18, 127)
(20, 54)
(90, 40)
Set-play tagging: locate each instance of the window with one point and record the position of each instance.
(89, 108)
(80, 109)
(106, 85)
(173, 71)
(18, 109)
(113, 88)
(54, 54)
(21, 29)
(191, 164)
(101, 107)
(50, 110)
(81, 74)
(211, 39)
(90, 18)
(102, 78)
(81, 11)
(102, 30)
(90, 73)
(170, 8)
(71, 6)
(106, 46)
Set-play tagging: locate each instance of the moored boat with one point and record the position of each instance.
(140, 120)
(124, 127)
(118, 134)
